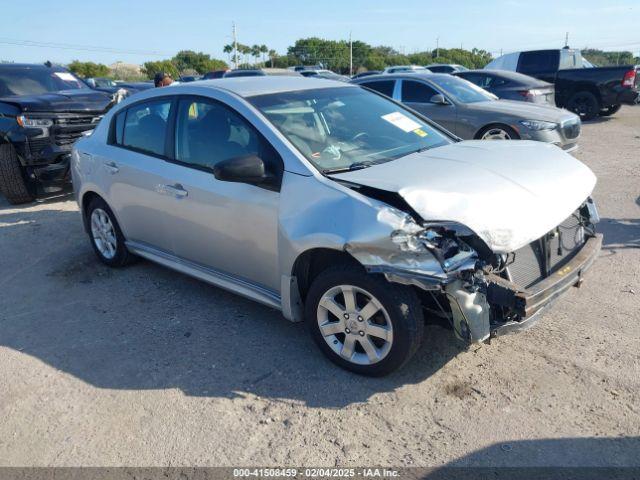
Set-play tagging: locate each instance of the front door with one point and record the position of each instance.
(226, 226)
(417, 95)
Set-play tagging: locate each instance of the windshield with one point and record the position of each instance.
(104, 82)
(36, 81)
(461, 90)
(345, 128)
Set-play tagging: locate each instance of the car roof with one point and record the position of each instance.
(515, 76)
(35, 66)
(404, 75)
(263, 85)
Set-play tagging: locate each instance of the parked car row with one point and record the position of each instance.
(343, 208)
(470, 112)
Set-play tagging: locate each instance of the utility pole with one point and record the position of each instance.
(566, 39)
(235, 46)
(350, 56)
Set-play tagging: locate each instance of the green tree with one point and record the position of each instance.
(604, 59)
(88, 69)
(255, 53)
(198, 61)
(272, 56)
(151, 68)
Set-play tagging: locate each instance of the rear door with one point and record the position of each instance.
(133, 167)
(417, 94)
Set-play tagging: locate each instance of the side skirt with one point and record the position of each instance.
(209, 275)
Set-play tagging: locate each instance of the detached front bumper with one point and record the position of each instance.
(530, 302)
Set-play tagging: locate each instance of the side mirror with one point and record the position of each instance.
(244, 169)
(439, 99)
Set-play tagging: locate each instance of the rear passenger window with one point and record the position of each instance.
(145, 126)
(543, 61)
(385, 87)
(416, 92)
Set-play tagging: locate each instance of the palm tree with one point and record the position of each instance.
(272, 56)
(264, 49)
(255, 53)
(228, 49)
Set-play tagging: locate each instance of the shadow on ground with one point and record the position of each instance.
(559, 458)
(147, 327)
(620, 233)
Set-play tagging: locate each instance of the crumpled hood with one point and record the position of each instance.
(78, 100)
(508, 192)
(532, 111)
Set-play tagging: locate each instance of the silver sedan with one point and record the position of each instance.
(338, 207)
(472, 113)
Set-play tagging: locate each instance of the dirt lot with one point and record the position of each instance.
(144, 366)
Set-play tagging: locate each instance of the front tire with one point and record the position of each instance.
(584, 104)
(363, 323)
(13, 184)
(497, 132)
(105, 235)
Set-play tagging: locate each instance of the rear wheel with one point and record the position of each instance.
(610, 110)
(363, 323)
(584, 104)
(105, 234)
(498, 132)
(13, 182)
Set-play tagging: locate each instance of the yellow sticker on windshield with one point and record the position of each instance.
(420, 132)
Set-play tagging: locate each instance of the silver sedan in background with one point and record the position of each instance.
(472, 113)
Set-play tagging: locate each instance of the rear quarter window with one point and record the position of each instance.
(543, 61)
(385, 87)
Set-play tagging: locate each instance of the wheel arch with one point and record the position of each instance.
(310, 263)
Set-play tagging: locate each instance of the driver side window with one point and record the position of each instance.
(416, 92)
(208, 132)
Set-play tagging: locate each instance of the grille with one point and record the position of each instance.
(69, 128)
(571, 130)
(548, 253)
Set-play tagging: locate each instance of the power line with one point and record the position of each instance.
(70, 46)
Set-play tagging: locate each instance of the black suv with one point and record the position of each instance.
(43, 110)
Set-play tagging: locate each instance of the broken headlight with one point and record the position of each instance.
(441, 239)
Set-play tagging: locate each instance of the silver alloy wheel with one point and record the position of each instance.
(496, 134)
(355, 324)
(103, 233)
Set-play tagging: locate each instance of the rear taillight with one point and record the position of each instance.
(629, 79)
(527, 93)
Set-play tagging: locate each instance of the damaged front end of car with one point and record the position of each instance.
(481, 293)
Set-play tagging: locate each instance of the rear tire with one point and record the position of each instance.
(105, 235)
(13, 183)
(374, 334)
(584, 104)
(610, 110)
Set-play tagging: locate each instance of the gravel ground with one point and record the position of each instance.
(144, 366)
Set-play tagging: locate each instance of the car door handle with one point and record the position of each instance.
(174, 190)
(112, 167)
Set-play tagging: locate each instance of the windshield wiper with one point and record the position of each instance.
(350, 168)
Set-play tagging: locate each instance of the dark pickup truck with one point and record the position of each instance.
(580, 87)
(43, 110)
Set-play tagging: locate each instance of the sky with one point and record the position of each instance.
(135, 31)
